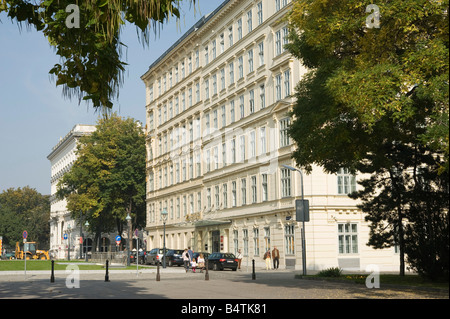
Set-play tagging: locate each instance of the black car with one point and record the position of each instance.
(173, 257)
(220, 261)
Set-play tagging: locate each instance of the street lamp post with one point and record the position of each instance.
(164, 218)
(303, 221)
(86, 245)
(128, 219)
(68, 246)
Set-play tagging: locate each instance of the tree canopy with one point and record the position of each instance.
(91, 65)
(24, 209)
(107, 180)
(375, 100)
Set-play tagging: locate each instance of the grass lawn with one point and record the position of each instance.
(407, 280)
(18, 265)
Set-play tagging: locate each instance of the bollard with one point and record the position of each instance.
(107, 275)
(52, 277)
(206, 272)
(253, 270)
(157, 272)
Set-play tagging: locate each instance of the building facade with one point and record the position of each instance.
(62, 224)
(218, 104)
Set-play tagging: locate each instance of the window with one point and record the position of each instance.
(208, 196)
(285, 182)
(222, 79)
(190, 97)
(199, 201)
(260, 13)
(348, 238)
(216, 157)
(278, 87)
(284, 136)
(232, 117)
(266, 238)
(262, 96)
(222, 43)
(178, 207)
(217, 196)
(230, 36)
(254, 193)
(287, 86)
(242, 145)
(197, 59)
(346, 182)
(214, 84)
(285, 38)
(233, 194)
(224, 154)
(278, 42)
(249, 21)
(241, 67)
(252, 144)
(244, 191)
(182, 70)
(190, 64)
(214, 49)
(239, 23)
(265, 195)
(231, 70)
(256, 241)
(206, 55)
(184, 206)
(252, 101)
(197, 92)
(250, 61)
(277, 5)
(289, 239)
(245, 239)
(261, 53)
(224, 116)
(233, 150)
(225, 195)
(191, 203)
(262, 136)
(241, 106)
(208, 160)
(206, 89)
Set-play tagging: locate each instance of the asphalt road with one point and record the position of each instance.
(176, 284)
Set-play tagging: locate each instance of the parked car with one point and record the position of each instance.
(220, 261)
(154, 256)
(173, 257)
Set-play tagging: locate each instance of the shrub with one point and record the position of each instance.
(330, 272)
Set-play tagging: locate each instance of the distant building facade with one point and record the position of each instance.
(218, 104)
(61, 160)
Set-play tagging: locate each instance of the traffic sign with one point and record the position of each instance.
(118, 239)
(25, 234)
(65, 236)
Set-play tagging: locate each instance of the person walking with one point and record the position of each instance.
(239, 258)
(275, 257)
(267, 259)
(186, 259)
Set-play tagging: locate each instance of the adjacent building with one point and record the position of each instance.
(218, 104)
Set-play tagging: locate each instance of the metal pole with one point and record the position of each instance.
(253, 270)
(158, 278)
(52, 276)
(107, 275)
(164, 246)
(303, 228)
(206, 266)
(137, 255)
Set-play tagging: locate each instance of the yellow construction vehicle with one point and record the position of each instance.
(30, 252)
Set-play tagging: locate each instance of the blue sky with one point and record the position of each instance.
(33, 112)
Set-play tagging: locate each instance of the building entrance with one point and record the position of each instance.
(215, 238)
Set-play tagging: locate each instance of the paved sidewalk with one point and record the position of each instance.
(175, 283)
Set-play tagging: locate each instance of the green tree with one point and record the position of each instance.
(375, 100)
(107, 181)
(24, 209)
(91, 65)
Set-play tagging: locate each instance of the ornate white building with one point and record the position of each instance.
(61, 159)
(218, 105)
